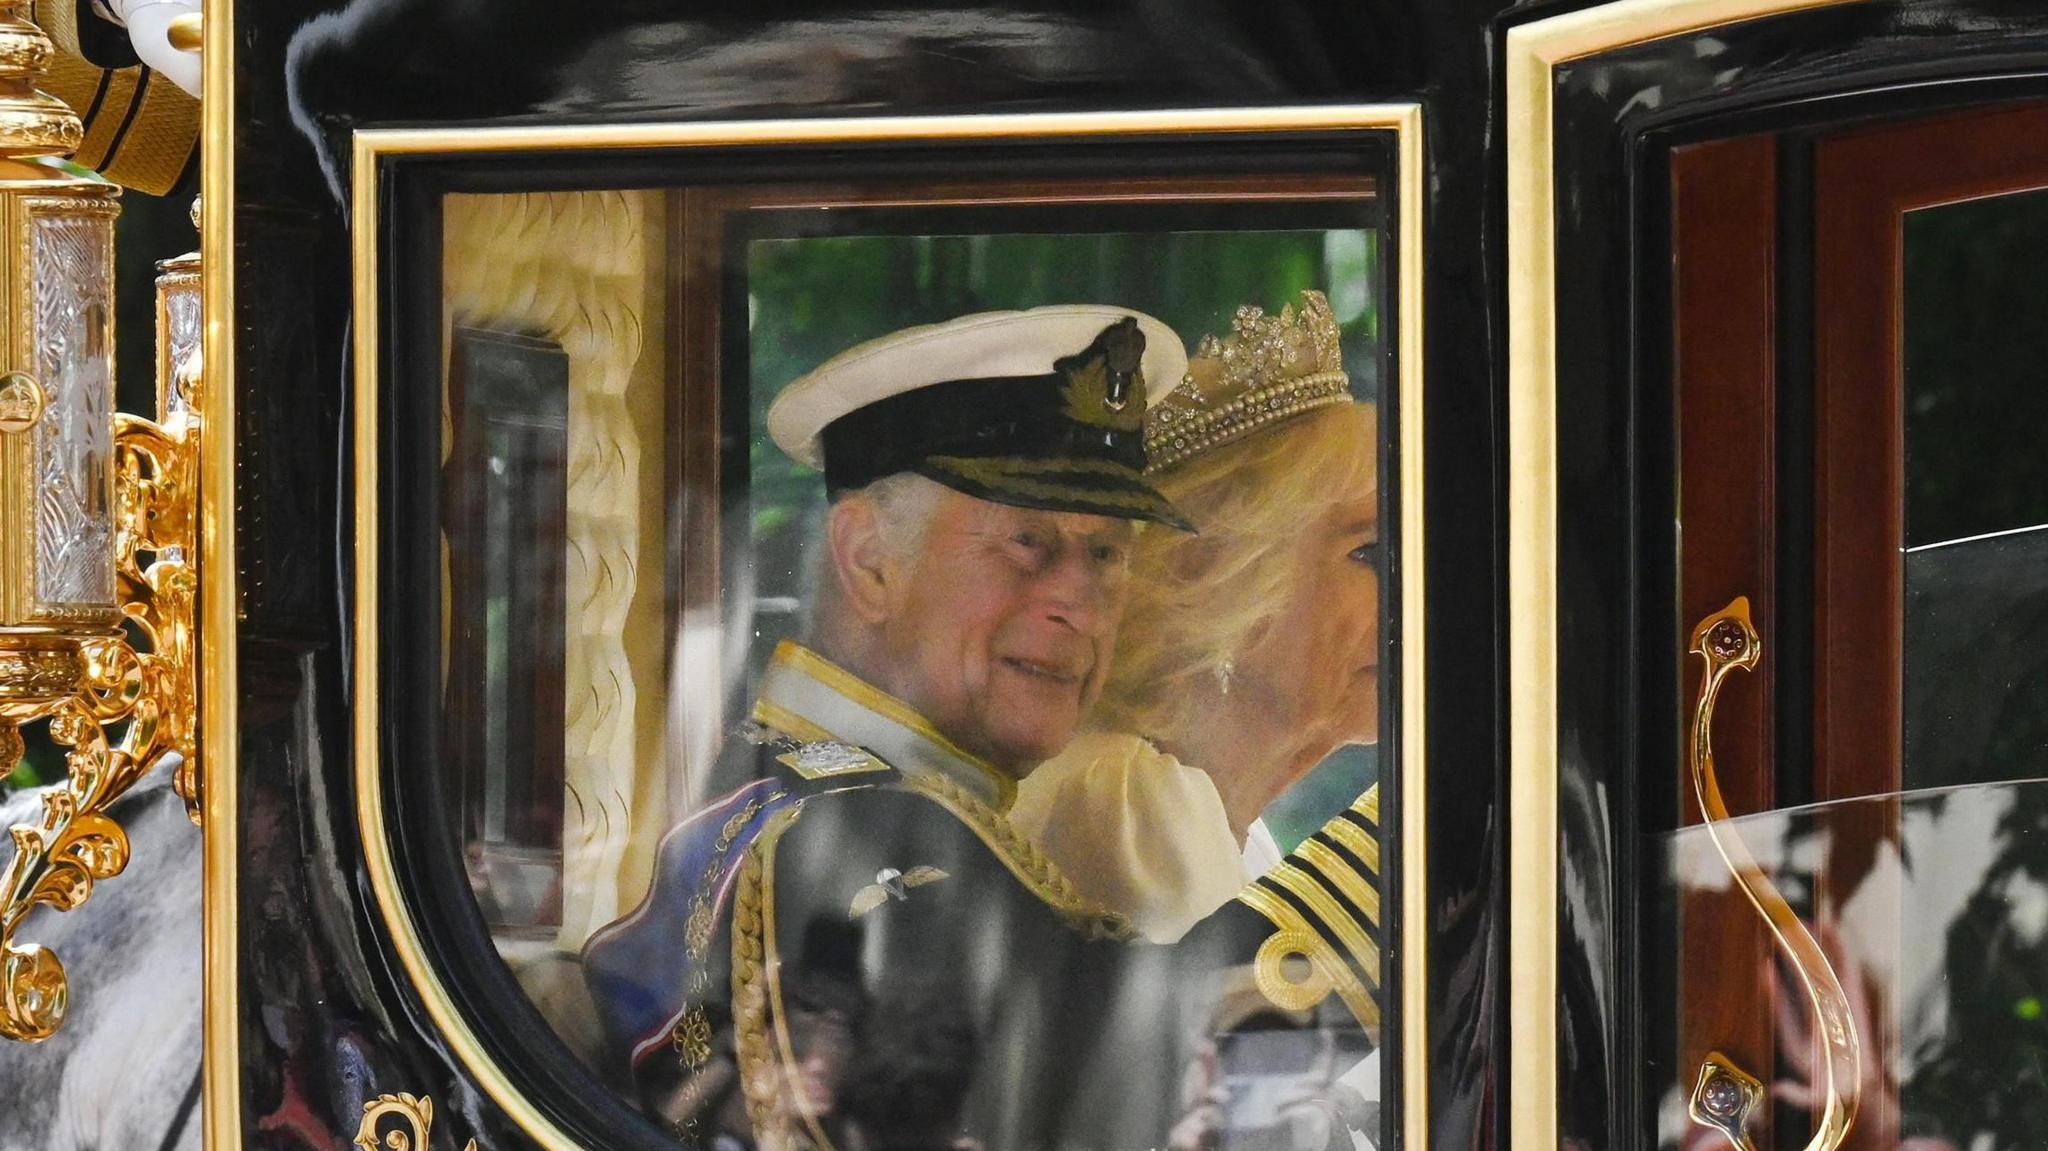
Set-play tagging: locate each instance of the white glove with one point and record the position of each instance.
(148, 23)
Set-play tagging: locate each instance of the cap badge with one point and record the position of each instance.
(1102, 381)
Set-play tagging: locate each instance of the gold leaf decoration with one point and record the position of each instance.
(415, 1124)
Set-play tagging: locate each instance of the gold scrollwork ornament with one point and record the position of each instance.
(157, 474)
(21, 402)
(414, 1116)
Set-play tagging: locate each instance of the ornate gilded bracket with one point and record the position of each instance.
(414, 1116)
(121, 701)
(1726, 1097)
(157, 478)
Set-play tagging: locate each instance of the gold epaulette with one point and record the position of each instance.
(1323, 901)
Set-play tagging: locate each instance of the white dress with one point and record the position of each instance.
(1139, 831)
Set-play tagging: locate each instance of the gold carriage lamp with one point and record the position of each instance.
(94, 642)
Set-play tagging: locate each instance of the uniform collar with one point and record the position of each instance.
(808, 697)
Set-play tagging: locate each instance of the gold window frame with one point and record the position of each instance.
(1534, 52)
(370, 148)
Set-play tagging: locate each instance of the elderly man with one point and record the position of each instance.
(857, 949)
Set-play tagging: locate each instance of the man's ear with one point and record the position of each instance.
(859, 559)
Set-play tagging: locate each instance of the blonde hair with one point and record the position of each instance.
(1197, 601)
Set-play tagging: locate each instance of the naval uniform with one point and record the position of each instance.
(859, 947)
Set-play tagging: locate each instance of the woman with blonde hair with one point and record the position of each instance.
(1250, 650)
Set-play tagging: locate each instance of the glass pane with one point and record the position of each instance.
(1976, 659)
(912, 669)
(1932, 907)
(179, 318)
(1976, 567)
(1974, 343)
(73, 263)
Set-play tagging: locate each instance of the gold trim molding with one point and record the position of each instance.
(1534, 50)
(373, 146)
(221, 1069)
(31, 672)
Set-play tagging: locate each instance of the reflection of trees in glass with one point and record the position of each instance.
(1985, 1073)
(1944, 961)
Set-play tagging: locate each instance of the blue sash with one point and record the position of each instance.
(642, 970)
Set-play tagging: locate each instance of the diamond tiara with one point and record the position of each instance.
(1268, 369)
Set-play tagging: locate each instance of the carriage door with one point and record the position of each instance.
(1864, 462)
(1796, 387)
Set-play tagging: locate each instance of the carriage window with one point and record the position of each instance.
(1976, 492)
(910, 658)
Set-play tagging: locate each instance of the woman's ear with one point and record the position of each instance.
(859, 557)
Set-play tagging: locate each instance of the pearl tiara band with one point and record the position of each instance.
(1270, 368)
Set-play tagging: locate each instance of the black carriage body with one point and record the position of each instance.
(326, 1015)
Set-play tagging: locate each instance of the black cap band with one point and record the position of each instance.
(996, 417)
(1070, 440)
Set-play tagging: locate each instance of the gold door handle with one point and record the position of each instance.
(1725, 1096)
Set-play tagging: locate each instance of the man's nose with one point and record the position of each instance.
(1079, 593)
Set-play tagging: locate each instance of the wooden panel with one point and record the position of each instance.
(1724, 357)
(1724, 241)
(1859, 459)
